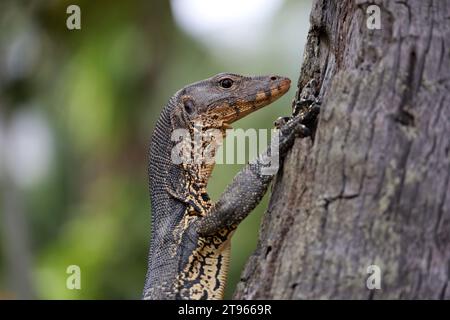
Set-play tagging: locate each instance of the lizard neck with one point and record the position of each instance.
(166, 211)
(160, 164)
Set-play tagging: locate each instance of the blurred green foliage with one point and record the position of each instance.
(100, 90)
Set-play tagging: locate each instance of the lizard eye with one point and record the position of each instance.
(189, 106)
(226, 83)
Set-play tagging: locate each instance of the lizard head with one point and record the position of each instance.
(225, 98)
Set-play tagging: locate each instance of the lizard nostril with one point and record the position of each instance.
(273, 78)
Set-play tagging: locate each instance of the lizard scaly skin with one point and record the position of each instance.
(190, 242)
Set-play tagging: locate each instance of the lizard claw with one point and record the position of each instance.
(295, 126)
(305, 112)
(302, 131)
(281, 121)
(313, 112)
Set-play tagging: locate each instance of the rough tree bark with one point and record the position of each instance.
(373, 187)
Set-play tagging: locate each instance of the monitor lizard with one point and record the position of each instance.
(190, 240)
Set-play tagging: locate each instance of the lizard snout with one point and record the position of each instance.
(280, 83)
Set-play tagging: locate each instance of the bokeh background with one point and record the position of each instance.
(77, 109)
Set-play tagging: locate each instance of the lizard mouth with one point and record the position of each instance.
(278, 90)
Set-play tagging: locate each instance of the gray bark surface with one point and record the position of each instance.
(373, 186)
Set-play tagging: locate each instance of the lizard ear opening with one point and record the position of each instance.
(189, 106)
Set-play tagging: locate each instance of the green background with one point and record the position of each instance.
(97, 93)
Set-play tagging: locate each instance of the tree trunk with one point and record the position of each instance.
(373, 186)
